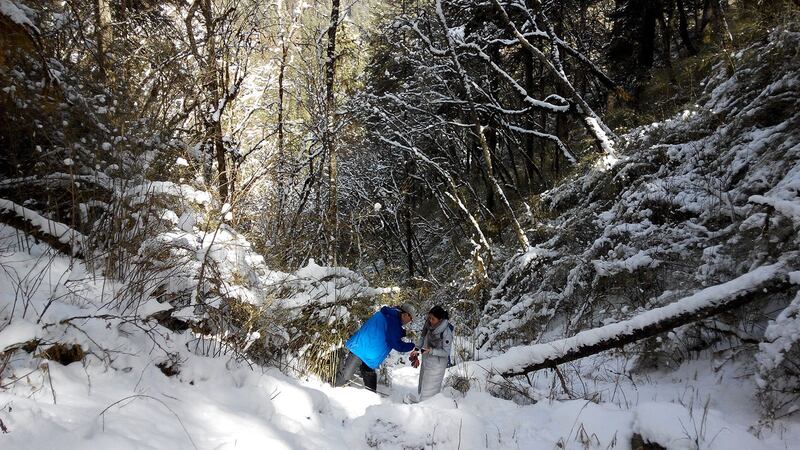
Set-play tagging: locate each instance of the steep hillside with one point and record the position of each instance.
(688, 203)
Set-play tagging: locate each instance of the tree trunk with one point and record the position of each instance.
(407, 212)
(683, 29)
(281, 141)
(222, 161)
(647, 41)
(105, 38)
(491, 142)
(708, 13)
(57, 235)
(329, 140)
(665, 21)
(529, 86)
(724, 29)
(214, 123)
(561, 132)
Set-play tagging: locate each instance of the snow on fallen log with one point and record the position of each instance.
(59, 236)
(141, 193)
(99, 180)
(705, 303)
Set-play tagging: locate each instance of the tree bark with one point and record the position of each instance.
(529, 86)
(647, 43)
(664, 16)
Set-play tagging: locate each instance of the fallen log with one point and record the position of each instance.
(59, 236)
(705, 303)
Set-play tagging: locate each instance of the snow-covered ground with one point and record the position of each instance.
(117, 397)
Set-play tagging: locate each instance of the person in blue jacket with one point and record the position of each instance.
(371, 344)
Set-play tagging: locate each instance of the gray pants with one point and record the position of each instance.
(348, 369)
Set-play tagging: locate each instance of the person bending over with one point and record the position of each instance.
(371, 344)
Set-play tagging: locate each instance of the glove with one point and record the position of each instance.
(414, 359)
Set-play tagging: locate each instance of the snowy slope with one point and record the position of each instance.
(690, 202)
(116, 396)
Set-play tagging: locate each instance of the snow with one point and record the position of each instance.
(783, 197)
(605, 142)
(630, 264)
(140, 193)
(457, 33)
(227, 212)
(676, 427)
(17, 332)
(187, 221)
(607, 161)
(788, 208)
(781, 334)
(325, 285)
(152, 307)
(13, 11)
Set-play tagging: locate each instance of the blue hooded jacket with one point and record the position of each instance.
(378, 336)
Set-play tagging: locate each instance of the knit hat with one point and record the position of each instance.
(408, 308)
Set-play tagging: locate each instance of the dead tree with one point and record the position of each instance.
(705, 303)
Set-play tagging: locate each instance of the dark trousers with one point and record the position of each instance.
(348, 369)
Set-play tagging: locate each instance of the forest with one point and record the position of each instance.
(580, 216)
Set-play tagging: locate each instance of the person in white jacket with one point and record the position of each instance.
(434, 344)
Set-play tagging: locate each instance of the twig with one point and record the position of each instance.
(3, 366)
(46, 369)
(135, 396)
(460, 424)
(14, 381)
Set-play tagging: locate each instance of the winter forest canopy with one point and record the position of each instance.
(202, 200)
